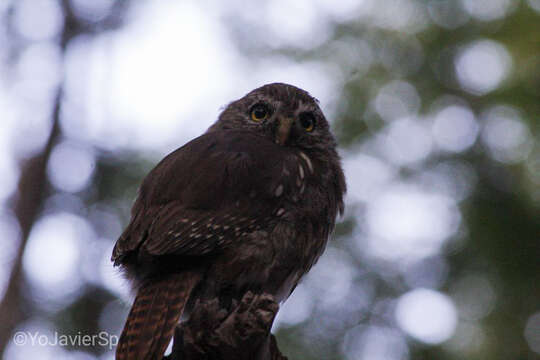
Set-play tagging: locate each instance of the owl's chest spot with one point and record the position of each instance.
(294, 177)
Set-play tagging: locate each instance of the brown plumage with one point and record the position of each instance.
(247, 206)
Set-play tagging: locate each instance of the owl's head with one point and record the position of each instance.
(285, 114)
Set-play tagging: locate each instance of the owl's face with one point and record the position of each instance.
(285, 114)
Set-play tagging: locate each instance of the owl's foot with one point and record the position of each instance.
(244, 333)
(253, 317)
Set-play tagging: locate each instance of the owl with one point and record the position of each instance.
(247, 206)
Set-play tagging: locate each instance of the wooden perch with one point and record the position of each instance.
(211, 333)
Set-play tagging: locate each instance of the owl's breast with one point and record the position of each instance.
(293, 176)
(271, 260)
(293, 227)
(305, 193)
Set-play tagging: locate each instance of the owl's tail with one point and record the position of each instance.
(153, 317)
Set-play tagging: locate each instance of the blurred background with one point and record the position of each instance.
(436, 106)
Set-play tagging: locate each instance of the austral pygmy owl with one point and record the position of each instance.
(247, 206)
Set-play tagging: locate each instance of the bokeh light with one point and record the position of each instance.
(447, 13)
(396, 100)
(375, 343)
(53, 253)
(281, 19)
(532, 329)
(183, 67)
(407, 223)
(427, 315)
(488, 10)
(482, 66)
(474, 296)
(39, 70)
(92, 10)
(38, 19)
(71, 167)
(406, 141)
(367, 176)
(505, 135)
(455, 128)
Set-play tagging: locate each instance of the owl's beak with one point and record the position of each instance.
(283, 129)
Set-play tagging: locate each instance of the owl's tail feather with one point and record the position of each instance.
(153, 317)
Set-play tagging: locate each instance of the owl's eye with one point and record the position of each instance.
(259, 112)
(307, 120)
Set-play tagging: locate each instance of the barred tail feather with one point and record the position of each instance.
(153, 317)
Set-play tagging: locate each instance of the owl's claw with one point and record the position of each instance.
(211, 331)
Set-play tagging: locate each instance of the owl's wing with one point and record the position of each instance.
(206, 194)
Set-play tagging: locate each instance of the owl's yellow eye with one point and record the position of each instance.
(307, 120)
(259, 112)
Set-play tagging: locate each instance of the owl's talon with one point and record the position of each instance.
(245, 304)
